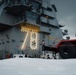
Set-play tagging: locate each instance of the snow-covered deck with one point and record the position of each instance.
(30, 66)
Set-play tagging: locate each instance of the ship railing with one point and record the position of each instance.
(17, 2)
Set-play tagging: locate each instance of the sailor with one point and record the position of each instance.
(43, 45)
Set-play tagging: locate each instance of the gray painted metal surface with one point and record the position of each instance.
(41, 16)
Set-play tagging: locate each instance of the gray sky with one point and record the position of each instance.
(66, 15)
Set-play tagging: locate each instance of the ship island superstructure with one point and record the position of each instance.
(25, 25)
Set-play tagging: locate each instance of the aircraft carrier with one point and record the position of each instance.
(25, 25)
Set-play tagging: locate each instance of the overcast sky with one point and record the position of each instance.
(66, 15)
